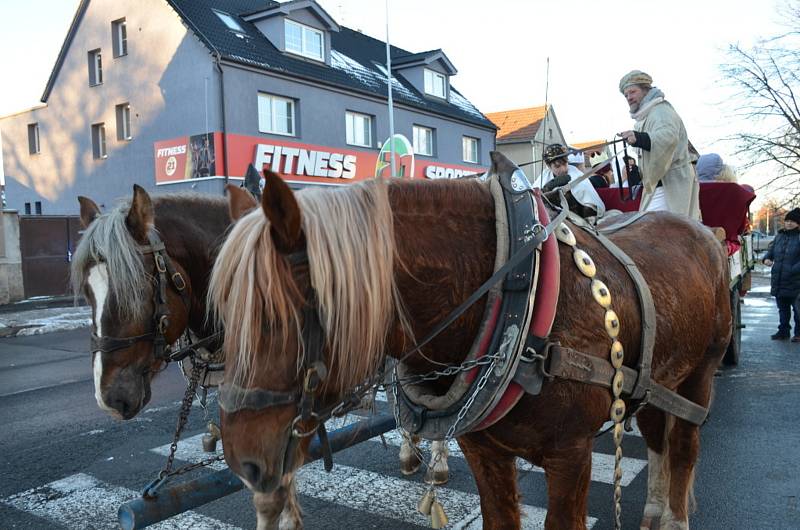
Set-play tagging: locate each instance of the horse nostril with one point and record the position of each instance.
(251, 472)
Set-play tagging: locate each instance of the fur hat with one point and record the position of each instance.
(634, 77)
(793, 215)
(554, 152)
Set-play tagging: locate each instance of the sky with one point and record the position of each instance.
(501, 50)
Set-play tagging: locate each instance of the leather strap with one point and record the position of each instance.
(566, 363)
(233, 398)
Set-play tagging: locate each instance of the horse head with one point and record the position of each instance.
(138, 297)
(303, 287)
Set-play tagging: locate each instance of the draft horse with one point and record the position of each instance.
(379, 265)
(137, 312)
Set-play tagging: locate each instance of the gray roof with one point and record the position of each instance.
(357, 60)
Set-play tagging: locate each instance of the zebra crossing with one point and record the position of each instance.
(72, 501)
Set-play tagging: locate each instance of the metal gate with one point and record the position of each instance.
(46, 244)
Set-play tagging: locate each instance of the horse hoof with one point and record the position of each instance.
(650, 523)
(410, 466)
(437, 476)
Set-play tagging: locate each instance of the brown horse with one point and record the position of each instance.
(118, 279)
(387, 262)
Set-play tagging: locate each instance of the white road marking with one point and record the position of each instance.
(80, 501)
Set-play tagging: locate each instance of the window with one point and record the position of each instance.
(359, 129)
(123, 121)
(229, 21)
(27, 208)
(435, 84)
(304, 41)
(99, 140)
(275, 114)
(33, 138)
(119, 37)
(423, 140)
(469, 147)
(95, 68)
(38, 207)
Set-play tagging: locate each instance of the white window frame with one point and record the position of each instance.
(95, 67)
(417, 130)
(431, 77)
(124, 122)
(99, 141)
(34, 147)
(229, 21)
(304, 49)
(119, 32)
(465, 152)
(264, 100)
(352, 128)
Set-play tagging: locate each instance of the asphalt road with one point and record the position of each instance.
(66, 464)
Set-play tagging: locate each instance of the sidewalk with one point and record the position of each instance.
(43, 315)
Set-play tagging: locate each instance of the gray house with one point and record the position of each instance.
(185, 94)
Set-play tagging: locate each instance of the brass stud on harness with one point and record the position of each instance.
(617, 355)
(565, 235)
(617, 411)
(617, 383)
(612, 323)
(584, 263)
(601, 293)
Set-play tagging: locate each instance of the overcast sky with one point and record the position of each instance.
(500, 49)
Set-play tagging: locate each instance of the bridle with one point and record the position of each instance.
(166, 274)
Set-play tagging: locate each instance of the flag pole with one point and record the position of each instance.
(391, 102)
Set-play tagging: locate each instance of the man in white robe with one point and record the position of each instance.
(668, 178)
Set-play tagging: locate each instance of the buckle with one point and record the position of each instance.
(297, 433)
(178, 281)
(315, 374)
(529, 355)
(160, 263)
(163, 324)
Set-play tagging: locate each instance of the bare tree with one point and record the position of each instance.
(767, 95)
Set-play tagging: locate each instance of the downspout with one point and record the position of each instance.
(224, 125)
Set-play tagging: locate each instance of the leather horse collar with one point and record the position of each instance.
(165, 274)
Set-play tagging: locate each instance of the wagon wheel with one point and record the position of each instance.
(735, 345)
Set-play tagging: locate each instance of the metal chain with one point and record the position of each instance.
(186, 406)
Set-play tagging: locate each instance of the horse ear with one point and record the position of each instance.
(240, 201)
(283, 212)
(140, 216)
(89, 211)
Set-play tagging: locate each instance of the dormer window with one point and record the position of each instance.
(229, 21)
(435, 84)
(305, 41)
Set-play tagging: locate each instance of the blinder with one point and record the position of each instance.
(165, 273)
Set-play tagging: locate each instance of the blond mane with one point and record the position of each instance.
(351, 251)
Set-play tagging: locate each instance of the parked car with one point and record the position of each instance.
(761, 241)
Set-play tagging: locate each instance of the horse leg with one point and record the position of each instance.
(684, 446)
(438, 472)
(495, 473)
(568, 471)
(652, 424)
(279, 510)
(409, 461)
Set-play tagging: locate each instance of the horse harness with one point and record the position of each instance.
(166, 274)
(526, 360)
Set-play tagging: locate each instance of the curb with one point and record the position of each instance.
(43, 303)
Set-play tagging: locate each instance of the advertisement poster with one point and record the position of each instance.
(189, 157)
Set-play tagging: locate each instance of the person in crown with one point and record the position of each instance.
(559, 173)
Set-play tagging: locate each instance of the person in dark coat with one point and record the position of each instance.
(784, 257)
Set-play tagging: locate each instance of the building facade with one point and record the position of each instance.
(524, 133)
(180, 95)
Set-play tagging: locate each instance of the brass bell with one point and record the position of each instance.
(601, 293)
(617, 411)
(617, 354)
(612, 323)
(424, 505)
(565, 235)
(584, 263)
(209, 443)
(438, 517)
(617, 383)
